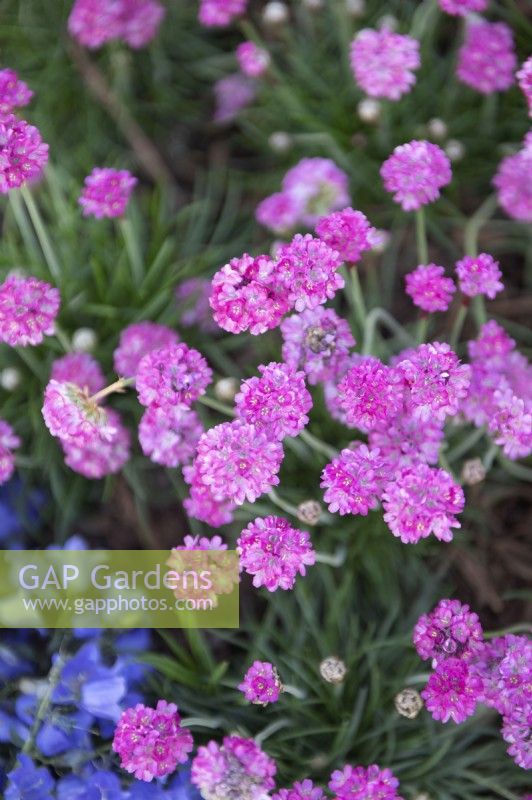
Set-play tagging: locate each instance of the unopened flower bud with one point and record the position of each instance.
(408, 703)
(333, 670)
(356, 8)
(309, 512)
(313, 5)
(473, 472)
(437, 128)
(455, 150)
(369, 110)
(275, 13)
(280, 141)
(225, 389)
(423, 796)
(84, 340)
(388, 21)
(10, 378)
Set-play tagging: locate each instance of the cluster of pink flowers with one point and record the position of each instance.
(479, 275)
(274, 553)
(261, 684)
(384, 62)
(14, 93)
(487, 60)
(95, 22)
(310, 190)
(513, 180)
(106, 192)
(353, 480)
(136, 341)
(452, 691)
(169, 436)
(307, 271)
(301, 790)
(171, 376)
(252, 59)
(524, 78)
(450, 630)
(220, 13)
(364, 783)
(232, 94)
(415, 173)
(429, 289)
(9, 441)
(370, 393)
(151, 742)
(348, 232)
(23, 154)
(460, 8)
(405, 441)
(81, 369)
(100, 454)
(237, 768)
(28, 309)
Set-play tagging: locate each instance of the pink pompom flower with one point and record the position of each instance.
(513, 182)
(201, 505)
(415, 173)
(479, 275)
(81, 369)
(487, 60)
(261, 684)
(277, 403)
(301, 790)
(524, 78)
(353, 480)
(252, 59)
(69, 413)
(319, 186)
(451, 630)
(274, 553)
(232, 94)
(171, 376)
(106, 192)
(461, 8)
(140, 21)
(23, 154)
(384, 62)
(420, 500)
(516, 732)
(9, 441)
(151, 741)
(28, 308)
(94, 22)
(220, 13)
(453, 691)
(370, 393)
(307, 268)
(237, 767)
(404, 441)
(348, 232)
(505, 666)
(136, 341)
(280, 212)
(364, 783)
(511, 423)
(14, 93)
(169, 436)
(491, 341)
(429, 289)
(99, 455)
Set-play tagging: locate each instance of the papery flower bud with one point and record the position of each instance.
(309, 512)
(333, 670)
(408, 703)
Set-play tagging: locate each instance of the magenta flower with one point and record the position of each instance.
(171, 376)
(237, 462)
(348, 232)
(307, 268)
(220, 13)
(487, 60)
(415, 173)
(69, 413)
(451, 630)
(136, 341)
(253, 60)
(353, 480)
(95, 22)
(238, 767)
(23, 154)
(201, 505)
(280, 212)
(364, 783)
(317, 341)
(505, 666)
(524, 78)
(479, 275)
(461, 8)
(106, 192)
(516, 732)
(140, 21)
(277, 403)
(370, 393)
(420, 500)
(319, 186)
(169, 436)
(28, 308)
(491, 341)
(246, 295)
(274, 553)
(405, 441)
(150, 741)
(429, 289)
(202, 543)
(453, 691)
(14, 93)
(9, 441)
(232, 94)
(261, 684)
(100, 454)
(81, 369)
(513, 182)
(511, 423)
(384, 62)
(304, 790)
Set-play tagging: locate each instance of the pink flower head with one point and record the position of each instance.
(370, 393)
(511, 423)
(237, 462)
(274, 552)
(138, 340)
(246, 295)
(307, 268)
(451, 630)
(415, 173)
(277, 403)
(99, 455)
(106, 192)
(384, 62)
(69, 413)
(140, 21)
(516, 732)
(81, 369)
(420, 500)
(304, 790)
(364, 783)
(28, 308)
(353, 480)
(253, 60)
(236, 769)
(192, 299)
(452, 691)
(505, 667)
(220, 13)
(261, 684)
(487, 60)
(513, 182)
(404, 441)
(491, 341)
(429, 289)
(280, 212)
(436, 380)
(524, 78)
(9, 441)
(479, 275)
(23, 154)
(348, 232)
(232, 94)
(172, 376)
(317, 341)
(200, 504)
(14, 93)
(95, 22)
(169, 435)
(319, 186)
(151, 741)
(461, 8)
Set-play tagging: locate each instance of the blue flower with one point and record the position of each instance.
(97, 785)
(60, 732)
(19, 509)
(28, 782)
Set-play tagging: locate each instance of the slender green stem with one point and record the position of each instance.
(518, 470)
(380, 315)
(421, 237)
(317, 444)
(357, 297)
(46, 700)
(211, 402)
(42, 235)
(202, 722)
(294, 691)
(118, 386)
(444, 463)
(270, 729)
(476, 223)
(332, 559)
(133, 251)
(23, 223)
(422, 328)
(520, 628)
(458, 325)
(63, 339)
(479, 310)
(489, 458)
(283, 504)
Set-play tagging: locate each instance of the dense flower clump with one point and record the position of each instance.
(364, 783)
(513, 182)
(274, 553)
(235, 770)
(9, 441)
(452, 691)
(353, 480)
(384, 62)
(307, 269)
(429, 289)
(23, 154)
(460, 8)
(136, 341)
(450, 630)
(415, 173)
(95, 22)
(69, 413)
(169, 436)
(524, 78)
(370, 393)
(479, 275)
(220, 13)
(171, 376)
(487, 61)
(81, 369)
(106, 192)
(301, 790)
(14, 93)
(102, 452)
(348, 232)
(261, 684)
(253, 60)
(28, 308)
